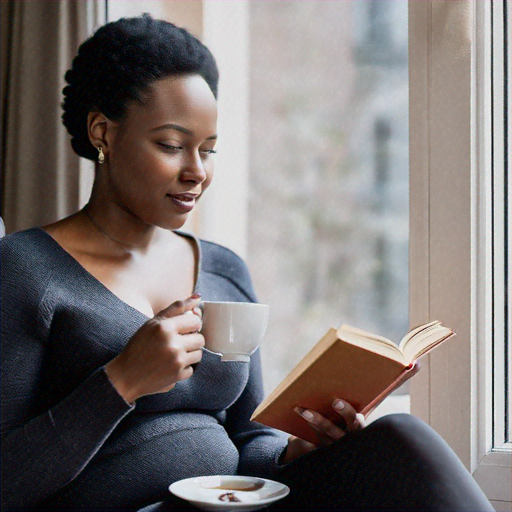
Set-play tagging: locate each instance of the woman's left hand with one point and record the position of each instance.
(326, 431)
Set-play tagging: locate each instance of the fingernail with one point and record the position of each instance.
(338, 404)
(304, 413)
(196, 296)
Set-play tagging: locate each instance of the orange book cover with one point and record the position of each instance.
(362, 371)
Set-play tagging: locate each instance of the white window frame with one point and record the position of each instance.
(450, 242)
(497, 321)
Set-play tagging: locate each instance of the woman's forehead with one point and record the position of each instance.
(180, 93)
(186, 98)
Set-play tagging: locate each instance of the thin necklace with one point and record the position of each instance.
(104, 233)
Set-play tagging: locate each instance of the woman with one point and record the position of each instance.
(103, 402)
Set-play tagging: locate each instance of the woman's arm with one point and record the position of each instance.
(42, 451)
(43, 454)
(260, 447)
(264, 450)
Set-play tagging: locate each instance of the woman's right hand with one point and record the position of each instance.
(160, 353)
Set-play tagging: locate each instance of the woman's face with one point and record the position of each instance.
(160, 157)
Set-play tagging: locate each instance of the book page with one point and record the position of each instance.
(366, 334)
(416, 331)
(424, 339)
(372, 342)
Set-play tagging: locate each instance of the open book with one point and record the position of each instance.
(346, 363)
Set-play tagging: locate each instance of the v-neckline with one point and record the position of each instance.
(91, 277)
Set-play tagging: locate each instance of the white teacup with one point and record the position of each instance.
(234, 329)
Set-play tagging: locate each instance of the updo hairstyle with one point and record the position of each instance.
(117, 65)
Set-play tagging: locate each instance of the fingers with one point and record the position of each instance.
(185, 315)
(180, 307)
(351, 418)
(162, 352)
(192, 357)
(185, 324)
(193, 341)
(186, 355)
(326, 431)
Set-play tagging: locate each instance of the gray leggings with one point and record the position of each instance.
(396, 463)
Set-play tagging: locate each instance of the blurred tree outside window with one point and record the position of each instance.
(328, 206)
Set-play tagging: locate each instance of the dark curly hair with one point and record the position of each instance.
(117, 65)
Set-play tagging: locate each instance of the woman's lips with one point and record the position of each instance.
(185, 202)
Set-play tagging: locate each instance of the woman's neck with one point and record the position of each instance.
(120, 228)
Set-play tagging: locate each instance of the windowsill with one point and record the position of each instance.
(392, 405)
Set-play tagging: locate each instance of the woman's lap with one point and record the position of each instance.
(396, 463)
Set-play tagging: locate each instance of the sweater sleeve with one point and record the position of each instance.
(42, 450)
(259, 446)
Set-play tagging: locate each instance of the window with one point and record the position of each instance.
(501, 224)
(459, 228)
(459, 126)
(328, 203)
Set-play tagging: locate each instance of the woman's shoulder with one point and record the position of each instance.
(28, 264)
(227, 265)
(27, 252)
(218, 258)
(24, 242)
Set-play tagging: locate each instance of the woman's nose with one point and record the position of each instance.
(193, 168)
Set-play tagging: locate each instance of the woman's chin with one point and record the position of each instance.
(176, 223)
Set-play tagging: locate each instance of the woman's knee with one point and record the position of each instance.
(424, 456)
(410, 434)
(405, 427)
(399, 422)
(414, 439)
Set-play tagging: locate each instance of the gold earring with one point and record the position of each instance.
(101, 155)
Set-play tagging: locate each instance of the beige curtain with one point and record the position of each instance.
(40, 172)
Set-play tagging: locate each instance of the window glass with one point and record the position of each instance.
(328, 219)
(508, 192)
(501, 204)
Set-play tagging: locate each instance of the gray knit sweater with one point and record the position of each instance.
(69, 440)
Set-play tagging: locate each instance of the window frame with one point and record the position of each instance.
(451, 226)
(499, 214)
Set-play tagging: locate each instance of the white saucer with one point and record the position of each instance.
(204, 492)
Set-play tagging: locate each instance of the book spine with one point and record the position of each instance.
(394, 385)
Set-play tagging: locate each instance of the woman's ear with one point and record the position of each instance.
(97, 126)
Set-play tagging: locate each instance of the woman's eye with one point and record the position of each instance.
(209, 151)
(170, 147)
